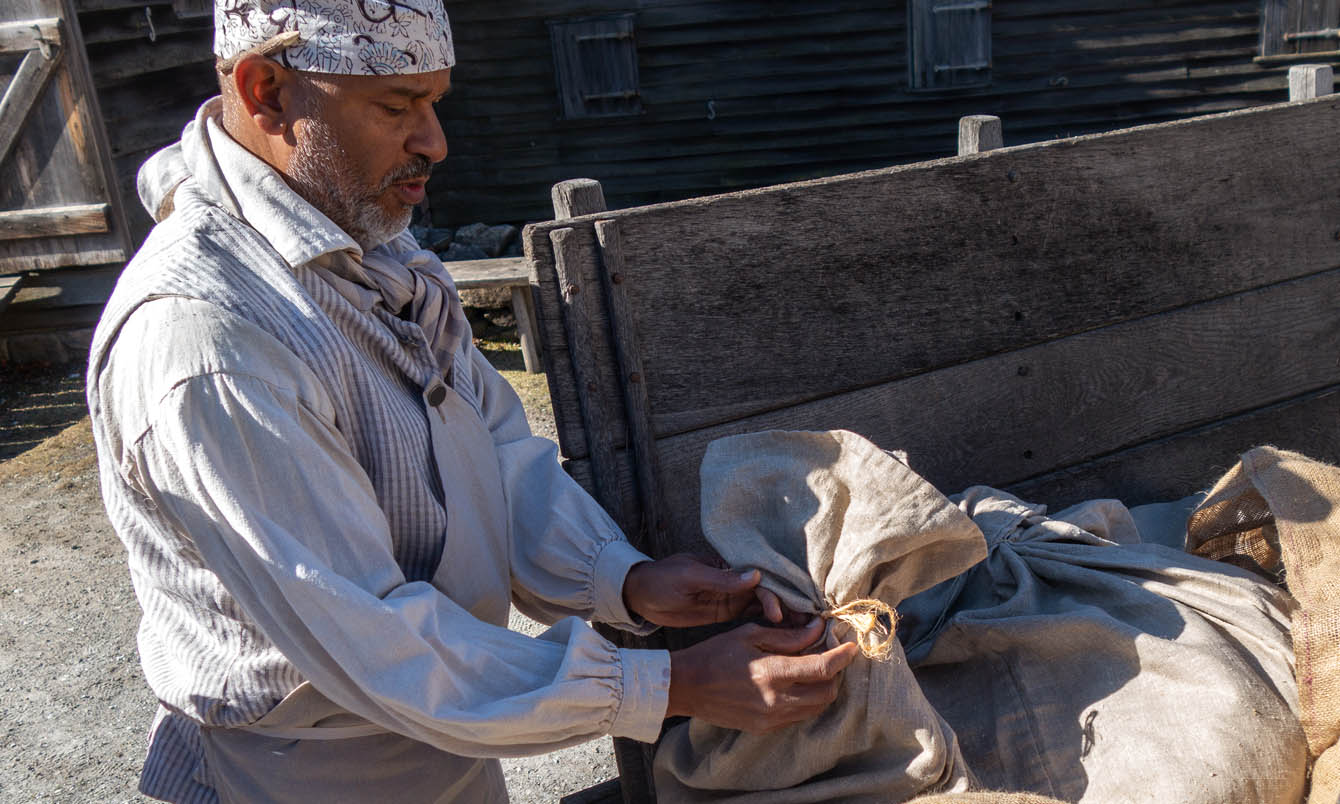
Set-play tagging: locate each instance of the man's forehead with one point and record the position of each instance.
(420, 85)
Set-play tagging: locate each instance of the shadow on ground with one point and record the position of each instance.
(36, 403)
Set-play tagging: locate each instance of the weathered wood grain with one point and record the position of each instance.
(60, 157)
(637, 407)
(573, 254)
(502, 272)
(576, 197)
(74, 219)
(24, 89)
(859, 280)
(978, 133)
(523, 309)
(29, 34)
(1310, 81)
(1007, 419)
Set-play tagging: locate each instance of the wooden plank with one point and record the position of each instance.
(29, 34)
(54, 221)
(1012, 417)
(22, 93)
(1138, 223)
(503, 272)
(70, 287)
(44, 254)
(1174, 467)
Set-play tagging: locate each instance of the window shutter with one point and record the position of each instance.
(950, 44)
(1300, 27)
(595, 64)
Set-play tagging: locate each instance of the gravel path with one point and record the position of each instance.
(74, 707)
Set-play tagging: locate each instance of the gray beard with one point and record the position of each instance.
(323, 173)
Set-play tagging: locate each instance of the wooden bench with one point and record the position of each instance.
(507, 272)
(1117, 315)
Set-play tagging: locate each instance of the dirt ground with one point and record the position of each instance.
(74, 707)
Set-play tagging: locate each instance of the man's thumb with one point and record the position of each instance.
(731, 581)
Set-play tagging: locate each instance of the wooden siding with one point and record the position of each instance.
(744, 94)
(152, 70)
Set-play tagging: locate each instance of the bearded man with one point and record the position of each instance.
(329, 498)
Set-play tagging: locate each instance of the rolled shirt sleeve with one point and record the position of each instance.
(253, 472)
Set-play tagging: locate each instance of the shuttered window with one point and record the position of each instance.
(595, 64)
(1300, 28)
(950, 44)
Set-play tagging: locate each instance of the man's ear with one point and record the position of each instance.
(260, 82)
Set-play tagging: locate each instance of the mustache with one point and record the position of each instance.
(418, 167)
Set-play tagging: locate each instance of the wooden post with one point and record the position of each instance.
(577, 197)
(1310, 81)
(637, 405)
(570, 254)
(978, 133)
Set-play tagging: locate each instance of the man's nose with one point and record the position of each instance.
(428, 139)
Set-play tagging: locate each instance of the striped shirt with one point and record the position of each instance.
(266, 460)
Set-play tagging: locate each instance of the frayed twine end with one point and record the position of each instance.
(874, 622)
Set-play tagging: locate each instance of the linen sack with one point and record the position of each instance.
(1079, 663)
(828, 519)
(1278, 513)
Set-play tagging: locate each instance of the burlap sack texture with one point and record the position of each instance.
(829, 519)
(1279, 513)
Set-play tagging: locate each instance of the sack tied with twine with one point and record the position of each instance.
(839, 528)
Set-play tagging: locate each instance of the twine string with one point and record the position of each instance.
(874, 622)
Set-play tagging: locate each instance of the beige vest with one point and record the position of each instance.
(309, 749)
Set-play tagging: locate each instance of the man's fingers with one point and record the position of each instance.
(772, 606)
(789, 640)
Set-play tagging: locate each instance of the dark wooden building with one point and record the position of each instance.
(665, 99)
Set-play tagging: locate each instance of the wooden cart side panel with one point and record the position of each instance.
(766, 299)
(1040, 411)
(60, 160)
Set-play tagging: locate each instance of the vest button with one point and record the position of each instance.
(437, 394)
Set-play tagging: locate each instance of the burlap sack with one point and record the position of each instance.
(829, 519)
(1079, 663)
(1279, 513)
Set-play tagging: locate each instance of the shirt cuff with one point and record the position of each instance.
(646, 694)
(612, 566)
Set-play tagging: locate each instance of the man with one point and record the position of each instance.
(328, 496)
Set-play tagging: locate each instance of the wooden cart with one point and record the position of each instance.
(1117, 315)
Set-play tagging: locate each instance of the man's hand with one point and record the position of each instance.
(682, 592)
(749, 679)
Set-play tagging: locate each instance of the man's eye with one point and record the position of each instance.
(394, 110)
